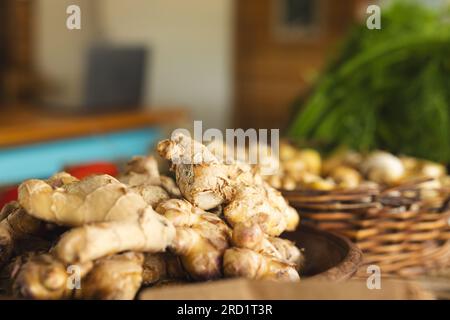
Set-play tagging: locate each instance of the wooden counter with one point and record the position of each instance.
(36, 145)
(24, 126)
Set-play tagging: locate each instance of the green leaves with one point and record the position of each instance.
(387, 89)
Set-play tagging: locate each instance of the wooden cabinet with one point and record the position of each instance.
(17, 79)
(272, 66)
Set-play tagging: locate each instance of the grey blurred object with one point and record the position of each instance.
(114, 78)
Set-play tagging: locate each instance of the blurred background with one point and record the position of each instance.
(135, 67)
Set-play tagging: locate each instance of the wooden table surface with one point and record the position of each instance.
(21, 125)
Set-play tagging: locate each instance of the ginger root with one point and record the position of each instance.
(119, 242)
(242, 262)
(262, 205)
(94, 199)
(181, 149)
(291, 215)
(289, 252)
(161, 267)
(9, 272)
(346, 177)
(141, 170)
(251, 236)
(170, 186)
(250, 205)
(202, 179)
(150, 232)
(8, 209)
(142, 175)
(16, 226)
(117, 277)
(207, 183)
(201, 238)
(258, 214)
(44, 277)
(152, 195)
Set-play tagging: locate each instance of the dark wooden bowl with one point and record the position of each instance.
(327, 255)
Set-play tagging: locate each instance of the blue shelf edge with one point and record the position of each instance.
(44, 159)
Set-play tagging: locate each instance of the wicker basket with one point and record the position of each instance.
(404, 230)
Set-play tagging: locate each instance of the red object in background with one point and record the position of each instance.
(84, 170)
(8, 195)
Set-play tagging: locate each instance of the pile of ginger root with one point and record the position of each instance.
(344, 169)
(107, 238)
